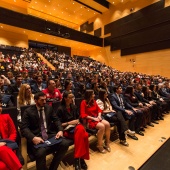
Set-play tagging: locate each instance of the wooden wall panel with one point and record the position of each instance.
(116, 26)
(13, 39)
(98, 32)
(40, 25)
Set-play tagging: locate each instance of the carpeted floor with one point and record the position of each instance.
(160, 160)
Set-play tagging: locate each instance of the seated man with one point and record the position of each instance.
(130, 113)
(38, 86)
(39, 123)
(52, 93)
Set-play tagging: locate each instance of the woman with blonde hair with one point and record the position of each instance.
(25, 97)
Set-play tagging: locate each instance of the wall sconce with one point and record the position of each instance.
(133, 62)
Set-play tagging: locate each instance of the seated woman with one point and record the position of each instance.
(68, 115)
(111, 116)
(68, 86)
(8, 159)
(25, 97)
(91, 111)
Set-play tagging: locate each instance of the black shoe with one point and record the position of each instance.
(155, 122)
(133, 137)
(142, 129)
(161, 118)
(150, 124)
(140, 133)
(83, 164)
(77, 165)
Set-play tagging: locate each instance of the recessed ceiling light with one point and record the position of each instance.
(54, 9)
(113, 2)
(88, 10)
(45, 6)
(14, 0)
(81, 7)
(73, 2)
(1, 26)
(35, 2)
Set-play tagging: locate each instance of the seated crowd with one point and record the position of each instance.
(105, 97)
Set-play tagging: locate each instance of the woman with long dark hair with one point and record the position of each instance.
(67, 113)
(115, 117)
(90, 111)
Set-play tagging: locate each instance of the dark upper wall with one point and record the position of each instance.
(39, 25)
(145, 30)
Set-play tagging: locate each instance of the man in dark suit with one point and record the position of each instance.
(130, 113)
(38, 86)
(15, 87)
(40, 123)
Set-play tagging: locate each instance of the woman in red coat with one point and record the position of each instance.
(8, 159)
(68, 115)
(91, 111)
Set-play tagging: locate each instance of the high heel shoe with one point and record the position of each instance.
(107, 147)
(101, 149)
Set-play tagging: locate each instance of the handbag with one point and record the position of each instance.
(70, 128)
(110, 114)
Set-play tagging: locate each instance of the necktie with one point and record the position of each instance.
(121, 102)
(43, 131)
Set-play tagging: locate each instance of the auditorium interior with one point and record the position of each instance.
(127, 35)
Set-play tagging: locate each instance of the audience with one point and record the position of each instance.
(143, 98)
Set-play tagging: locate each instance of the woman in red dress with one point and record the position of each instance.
(8, 159)
(91, 111)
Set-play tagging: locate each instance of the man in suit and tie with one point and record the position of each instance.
(130, 113)
(40, 123)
